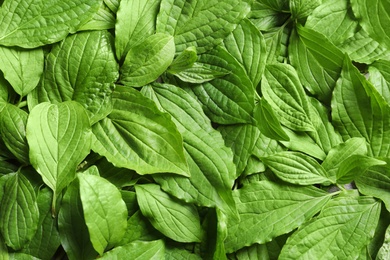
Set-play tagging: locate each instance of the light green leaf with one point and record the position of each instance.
(253, 252)
(247, 45)
(358, 110)
(318, 68)
(136, 20)
(296, 168)
(199, 73)
(268, 210)
(81, 68)
(335, 20)
(59, 137)
(373, 16)
(136, 135)
(342, 229)
(210, 161)
(13, 122)
(138, 250)
(184, 61)
(74, 234)
(45, 23)
(20, 215)
(200, 23)
(146, 61)
(302, 8)
(173, 218)
(353, 146)
(283, 91)
(384, 251)
(22, 68)
(175, 253)
(104, 19)
(379, 76)
(266, 146)
(105, 212)
(376, 182)
(113, 5)
(354, 166)
(277, 42)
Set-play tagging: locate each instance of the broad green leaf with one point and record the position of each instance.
(241, 139)
(268, 210)
(137, 136)
(376, 182)
(210, 161)
(332, 162)
(268, 122)
(302, 8)
(173, 218)
(136, 20)
(296, 168)
(20, 215)
(34, 24)
(379, 76)
(22, 68)
(180, 254)
(184, 61)
(200, 23)
(74, 234)
(317, 68)
(59, 137)
(120, 177)
(354, 166)
(46, 240)
(266, 18)
(358, 110)
(334, 19)
(247, 45)
(266, 146)
(283, 91)
(384, 251)
(342, 229)
(82, 68)
(374, 16)
(105, 212)
(253, 252)
(146, 61)
(13, 122)
(199, 73)
(138, 250)
(104, 19)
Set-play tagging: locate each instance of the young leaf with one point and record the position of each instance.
(138, 250)
(46, 23)
(13, 122)
(173, 218)
(296, 168)
(199, 73)
(184, 61)
(200, 23)
(59, 137)
(137, 136)
(19, 217)
(22, 68)
(136, 20)
(342, 229)
(268, 210)
(146, 61)
(105, 212)
(283, 91)
(81, 68)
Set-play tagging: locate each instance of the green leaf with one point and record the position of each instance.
(113, 5)
(278, 5)
(342, 229)
(335, 20)
(283, 91)
(200, 23)
(266, 18)
(20, 215)
(379, 76)
(82, 68)
(303, 8)
(373, 16)
(359, 111)
(180, 254)
(354, 166)
(138, 250)
(384, 251)
(146, 61)
(266, 146)
(184, 61)
(46, 23)
(253, 252)
(104, 19)
(13, 122)
(173, 218)
(105, 212)
(74, 234)
(268, 210)
(376, 182)
(22, 68)
(59, 137)
(3, 249)
(210, 161)
(136, 20)
(296, 168)
(317, 68)
(199, 73)
(136, 135)
(247, 45)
